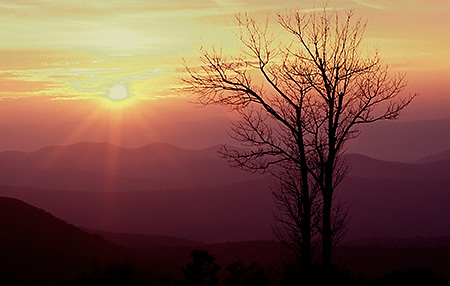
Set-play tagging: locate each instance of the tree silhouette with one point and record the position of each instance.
(301, 93)
(202, 270)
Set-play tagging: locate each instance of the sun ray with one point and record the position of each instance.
(112, 167)
(117, 123)
(59, 151)
(108, 120)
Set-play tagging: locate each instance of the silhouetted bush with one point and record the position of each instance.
(202, 270)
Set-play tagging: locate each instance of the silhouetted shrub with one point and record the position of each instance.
(202, 270)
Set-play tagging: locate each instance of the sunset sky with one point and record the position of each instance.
(63, 61)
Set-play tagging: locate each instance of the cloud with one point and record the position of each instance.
(86, 9)
(436, 2)
(71, 83)
(17, 86)
(369, 5)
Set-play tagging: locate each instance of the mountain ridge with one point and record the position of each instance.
(444, 155)
(46, 248)
(166, 193)
(405, 141)
(147, 166)
(54, 261)
(365, 166)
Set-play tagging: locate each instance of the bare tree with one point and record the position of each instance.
(299, 216)
(301, 100)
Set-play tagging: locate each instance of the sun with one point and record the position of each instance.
(118, 98)
(118, 92)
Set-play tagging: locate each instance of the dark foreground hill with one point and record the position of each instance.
(363, 262)
(38, 248)
(237, 212)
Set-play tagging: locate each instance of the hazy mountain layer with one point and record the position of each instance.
(163, 190)
(405, 141)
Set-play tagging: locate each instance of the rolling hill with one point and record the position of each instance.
(240, 212)
(106, 167)
(405, 141)
(435, 157)
(163, 190)
(38, 248)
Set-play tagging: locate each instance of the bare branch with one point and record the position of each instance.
(302, 92)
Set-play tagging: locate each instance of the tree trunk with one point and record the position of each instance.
(305, 227)
(327, 196)
(326, 232)
(306, 258)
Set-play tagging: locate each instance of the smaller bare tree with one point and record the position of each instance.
(298, 218)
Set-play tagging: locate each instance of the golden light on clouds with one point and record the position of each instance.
(78, 50)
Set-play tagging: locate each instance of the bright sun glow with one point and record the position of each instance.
(118, 92)
(118, 98)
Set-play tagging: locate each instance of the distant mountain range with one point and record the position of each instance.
(106, 167)
(164, 190)
(435, 157)
(405, 141)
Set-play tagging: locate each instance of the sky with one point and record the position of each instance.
(110, 64)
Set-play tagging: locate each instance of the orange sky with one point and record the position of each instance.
(61, 59)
